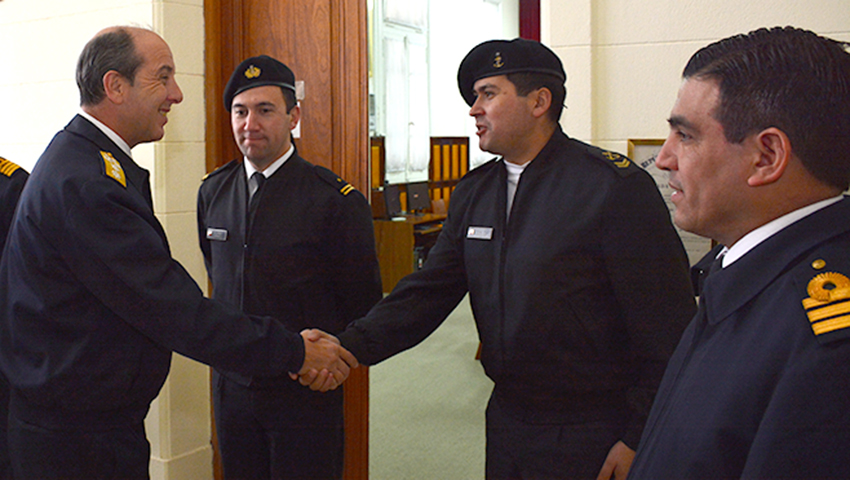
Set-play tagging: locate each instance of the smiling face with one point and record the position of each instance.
(708, 174)
(503, 119)
(261, 124)
(153, 91)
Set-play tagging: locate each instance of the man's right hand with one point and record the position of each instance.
(326, 363)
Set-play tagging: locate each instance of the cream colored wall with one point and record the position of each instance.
(624, 59)
(41, 40)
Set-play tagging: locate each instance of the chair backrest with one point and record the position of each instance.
(438, 206)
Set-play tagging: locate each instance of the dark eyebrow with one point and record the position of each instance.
(680, 121)
(166, 69)
(261, 104)
(486, 86)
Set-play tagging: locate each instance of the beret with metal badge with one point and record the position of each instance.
(257, 72)
(501, 57)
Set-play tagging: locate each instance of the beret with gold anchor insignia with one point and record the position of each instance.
(501, 57)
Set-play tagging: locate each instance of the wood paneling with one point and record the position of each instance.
(324, 43)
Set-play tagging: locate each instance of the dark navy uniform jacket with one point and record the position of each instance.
(759, 386)
(12, 180)
(308, 256)
(579, 298)
(92, 302)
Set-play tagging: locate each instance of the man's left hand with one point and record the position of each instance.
(617, 463)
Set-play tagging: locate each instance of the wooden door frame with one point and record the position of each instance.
(224, 49)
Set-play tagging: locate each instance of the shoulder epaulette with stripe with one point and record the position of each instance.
(7, 168)
(333, 179)
(224, 168)
(827, 303)
(620, 163)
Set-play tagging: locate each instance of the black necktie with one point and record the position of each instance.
(254, 186)
(716, 266)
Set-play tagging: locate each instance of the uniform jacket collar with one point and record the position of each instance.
(729, 289)
(137, 176)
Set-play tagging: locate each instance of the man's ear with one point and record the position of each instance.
(774, 154)
(542, 101)
(294, 116)
(115, 86)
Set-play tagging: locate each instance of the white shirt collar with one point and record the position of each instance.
(757, 236)
(109, 133)
(249, 167)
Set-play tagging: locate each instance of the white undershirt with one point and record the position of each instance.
(514, 172)
(759, 235)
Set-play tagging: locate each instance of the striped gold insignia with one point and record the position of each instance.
(828, 303)
(113, 169)
(7, 168)
(346, 189)
(615, 159)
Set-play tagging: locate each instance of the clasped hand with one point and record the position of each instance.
(326, 363)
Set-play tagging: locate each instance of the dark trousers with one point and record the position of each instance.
(517, 450)
(282, 433)
(38, 453)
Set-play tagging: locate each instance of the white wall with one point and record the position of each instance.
(40, 41)
(624, 59)
(456, 26)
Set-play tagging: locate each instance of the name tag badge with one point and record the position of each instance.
(480, 233)
(217, 234)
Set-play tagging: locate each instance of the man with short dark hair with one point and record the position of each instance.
(576, 277)
(759, 155)
(292, 240)
(92, 303)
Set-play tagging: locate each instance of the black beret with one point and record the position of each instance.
(501, 57)
(257, 72)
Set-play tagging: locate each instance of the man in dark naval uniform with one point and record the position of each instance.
(91, 301)
(12, 180)
(289, 239)
(577, 279)
(759, 155)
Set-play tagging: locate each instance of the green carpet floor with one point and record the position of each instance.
(427, 407)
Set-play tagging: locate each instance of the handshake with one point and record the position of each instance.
(326, 363)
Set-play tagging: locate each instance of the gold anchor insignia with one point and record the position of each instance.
(252, 72)
(498, 63)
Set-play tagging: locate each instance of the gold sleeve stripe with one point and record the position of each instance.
(828, 311)
(7, 168)
(809, 303)
(831, 325)
(347, 189)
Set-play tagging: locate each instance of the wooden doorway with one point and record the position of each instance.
(325, 44)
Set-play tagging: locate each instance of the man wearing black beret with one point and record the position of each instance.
(577, 279)
(284, 238)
